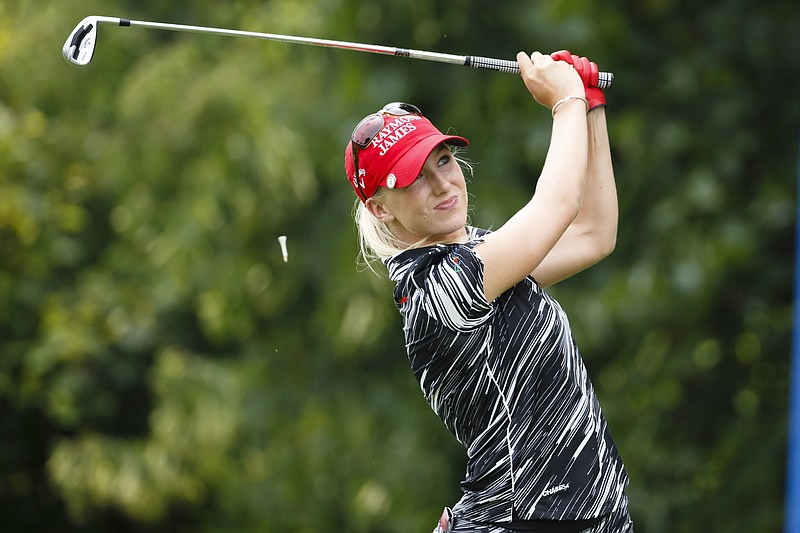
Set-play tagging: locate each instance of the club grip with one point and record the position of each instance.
(605, 79)
(503, 65)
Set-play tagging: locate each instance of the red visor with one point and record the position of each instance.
(396, 154)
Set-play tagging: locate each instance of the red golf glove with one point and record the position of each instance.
(589, 74)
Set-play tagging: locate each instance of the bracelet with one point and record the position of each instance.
(567, 99)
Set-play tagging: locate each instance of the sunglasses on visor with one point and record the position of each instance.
(368, 128)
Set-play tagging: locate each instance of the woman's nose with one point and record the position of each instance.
(438, 182)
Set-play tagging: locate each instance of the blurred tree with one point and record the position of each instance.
(162, 369)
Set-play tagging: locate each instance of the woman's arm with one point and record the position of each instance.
(521, 244)
(593, 233)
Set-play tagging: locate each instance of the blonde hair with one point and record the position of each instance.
(376, 242)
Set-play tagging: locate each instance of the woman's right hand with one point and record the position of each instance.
(548, 80)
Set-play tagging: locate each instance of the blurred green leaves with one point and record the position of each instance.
(161, 367)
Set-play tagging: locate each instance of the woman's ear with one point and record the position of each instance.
(379, 210)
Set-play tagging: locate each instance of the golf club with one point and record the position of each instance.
(79, 46)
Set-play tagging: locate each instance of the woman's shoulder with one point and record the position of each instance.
(475, 234)
(419, 261)
(427, 256)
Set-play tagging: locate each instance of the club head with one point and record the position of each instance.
(79, 46)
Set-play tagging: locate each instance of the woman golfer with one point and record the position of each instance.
(493, 353)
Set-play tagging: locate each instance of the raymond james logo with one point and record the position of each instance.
(556, 489)
(393, 132)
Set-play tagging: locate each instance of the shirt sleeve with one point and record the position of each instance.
(449, 287)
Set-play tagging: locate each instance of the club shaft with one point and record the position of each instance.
(358, 47)
(502, 65)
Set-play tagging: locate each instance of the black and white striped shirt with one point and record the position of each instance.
(507, 380)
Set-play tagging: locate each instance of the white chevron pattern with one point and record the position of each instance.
(507, 380)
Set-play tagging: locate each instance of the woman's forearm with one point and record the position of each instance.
(599, 211)
(565, 169)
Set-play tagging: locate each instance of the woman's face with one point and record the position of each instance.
(433, 208)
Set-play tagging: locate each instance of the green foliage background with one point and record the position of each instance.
(161, 368)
